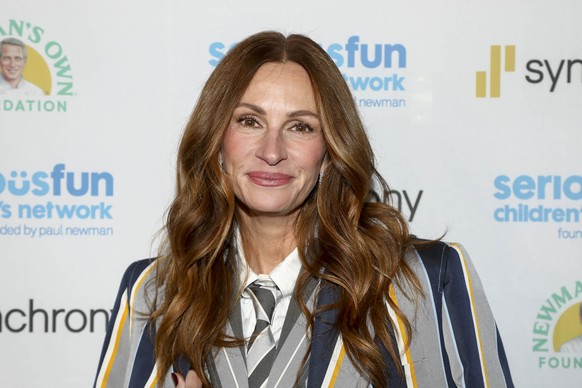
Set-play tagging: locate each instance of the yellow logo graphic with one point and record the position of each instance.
(495, 72)
(568, 331)
(37, 71)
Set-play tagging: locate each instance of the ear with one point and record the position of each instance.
(221, 160)
(324, 164)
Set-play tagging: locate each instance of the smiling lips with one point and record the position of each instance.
(269, 179)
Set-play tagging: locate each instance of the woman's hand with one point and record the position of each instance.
(191, 381)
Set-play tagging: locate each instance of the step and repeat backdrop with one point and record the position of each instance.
(474, 110)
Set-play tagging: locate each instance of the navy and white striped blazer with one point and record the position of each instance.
(455, 341)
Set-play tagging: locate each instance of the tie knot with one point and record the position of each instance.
(265, 295)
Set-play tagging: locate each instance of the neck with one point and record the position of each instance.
(266, 240)
(13, 83)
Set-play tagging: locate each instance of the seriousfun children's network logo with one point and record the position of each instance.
(374, 71)
(56, 202)
(550, 199)
(35, 72)
(557, 330)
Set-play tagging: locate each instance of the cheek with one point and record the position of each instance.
(237, 154)
(314, 157)
(230, 148)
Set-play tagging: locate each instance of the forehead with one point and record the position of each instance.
(11, 49)
(287, 81)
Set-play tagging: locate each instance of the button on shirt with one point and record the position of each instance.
(284, 276)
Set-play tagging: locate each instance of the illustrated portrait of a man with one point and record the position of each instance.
(575, 344)
(12, 62)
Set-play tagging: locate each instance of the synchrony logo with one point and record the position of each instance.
(36, 73)
(552, 199)
(495, 72)
(32, 318)
(544, 69)
(405, 201)
(374, 71)
(557, 329)
(547, 72)
(58, 202)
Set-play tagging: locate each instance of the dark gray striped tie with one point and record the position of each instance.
(261, 348)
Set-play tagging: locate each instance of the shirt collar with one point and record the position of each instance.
(284, 274)
(7, 85)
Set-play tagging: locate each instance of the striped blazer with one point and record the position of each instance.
(455, 341)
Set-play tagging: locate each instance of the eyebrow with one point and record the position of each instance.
(295, 113)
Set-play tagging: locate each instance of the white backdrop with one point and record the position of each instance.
(129, 72)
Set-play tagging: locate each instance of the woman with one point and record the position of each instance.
(272, 211)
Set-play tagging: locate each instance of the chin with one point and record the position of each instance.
(263, 207)
(270, 210)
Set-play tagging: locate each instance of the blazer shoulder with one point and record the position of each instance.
(439, 252)
(441, 262)
(138, 272)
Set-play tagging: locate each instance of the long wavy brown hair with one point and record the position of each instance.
(360, 245)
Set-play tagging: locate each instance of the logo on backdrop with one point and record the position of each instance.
(556, 71)
(406, 201)
(35, 72)
(32, 317)
(56, 202)
(375, 71)
(551, 199)
(557, 329)
(495, 71)
(549, 73)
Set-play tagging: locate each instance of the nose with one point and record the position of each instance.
(272, 148)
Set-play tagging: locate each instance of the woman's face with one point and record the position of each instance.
(273, 148)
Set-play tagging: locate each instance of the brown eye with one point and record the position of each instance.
(302, 128)
(248, 121)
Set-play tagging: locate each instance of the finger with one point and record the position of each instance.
(178, 380)
(192, 380)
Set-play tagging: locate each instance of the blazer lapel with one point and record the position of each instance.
(228, 367)
(325, 337)
(293, 344)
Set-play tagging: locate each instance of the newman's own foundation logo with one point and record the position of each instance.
(36, 75)
(495, 71)
(557, 330)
